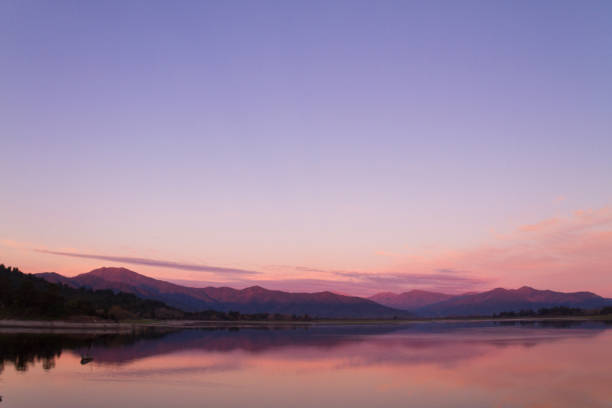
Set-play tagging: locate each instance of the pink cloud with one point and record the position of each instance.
(570, 253)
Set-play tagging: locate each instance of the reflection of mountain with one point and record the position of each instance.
(254, 299)
(418, 341)
(446, 342)
(252, 340)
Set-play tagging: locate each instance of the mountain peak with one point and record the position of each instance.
(110, 270)
(255, 289)
(116, 274)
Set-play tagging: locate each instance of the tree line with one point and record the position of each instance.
(555, 311)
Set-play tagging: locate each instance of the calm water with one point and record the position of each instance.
(420, 365)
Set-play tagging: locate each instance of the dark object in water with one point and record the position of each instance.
(86, 356)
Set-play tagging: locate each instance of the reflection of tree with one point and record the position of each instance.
(25, 350)
(48, 363)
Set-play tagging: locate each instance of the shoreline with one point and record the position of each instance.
(128, 326)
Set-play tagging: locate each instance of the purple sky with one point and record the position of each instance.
(351, 145)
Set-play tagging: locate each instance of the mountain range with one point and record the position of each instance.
(256, 299)
(253, 299)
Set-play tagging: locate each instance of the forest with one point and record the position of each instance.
(29, 297)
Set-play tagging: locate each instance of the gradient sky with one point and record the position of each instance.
(350, 146)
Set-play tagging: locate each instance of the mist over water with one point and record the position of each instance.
(514, 364)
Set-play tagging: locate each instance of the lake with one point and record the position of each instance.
(484, 364)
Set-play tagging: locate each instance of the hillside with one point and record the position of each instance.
(125, 280)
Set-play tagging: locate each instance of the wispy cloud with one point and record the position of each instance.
(363, 282)
(448, 270)
(438, 280)
(153, 262)
(362, 286)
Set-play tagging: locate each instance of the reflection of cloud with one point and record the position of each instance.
(152, 262)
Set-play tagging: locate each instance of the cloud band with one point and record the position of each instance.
(153, 262)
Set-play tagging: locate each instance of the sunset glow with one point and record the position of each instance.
(306, 203)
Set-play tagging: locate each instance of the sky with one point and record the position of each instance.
(347, 146)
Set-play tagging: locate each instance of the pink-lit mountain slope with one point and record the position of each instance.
(411, 300)
(254, 299)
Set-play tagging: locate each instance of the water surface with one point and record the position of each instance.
(416, 365)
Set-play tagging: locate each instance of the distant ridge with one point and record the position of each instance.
(432, 304)
(254, 299)
(411, 300)
(503, 300)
